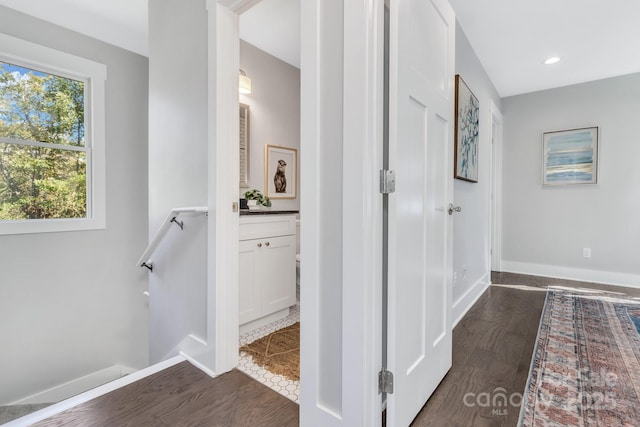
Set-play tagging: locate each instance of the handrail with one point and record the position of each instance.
(145, 260)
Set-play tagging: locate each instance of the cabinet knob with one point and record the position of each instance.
(267, 244)
(259, 245)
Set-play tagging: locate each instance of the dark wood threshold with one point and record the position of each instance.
(182, 395)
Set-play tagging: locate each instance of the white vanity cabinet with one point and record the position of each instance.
(267, 268)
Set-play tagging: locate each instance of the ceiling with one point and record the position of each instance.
(594, 38)
(274, 26)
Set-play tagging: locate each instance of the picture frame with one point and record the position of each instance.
(570, 157)
(245, 144)
(281, 172)
(466, 133)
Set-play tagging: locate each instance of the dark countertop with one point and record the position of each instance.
(266, 211)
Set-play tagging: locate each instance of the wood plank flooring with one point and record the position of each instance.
(492, 349)
(182, 395)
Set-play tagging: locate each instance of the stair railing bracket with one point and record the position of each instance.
(178, 223)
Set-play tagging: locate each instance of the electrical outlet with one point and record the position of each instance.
(586, 252)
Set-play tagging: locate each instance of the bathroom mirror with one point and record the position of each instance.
(244, 146)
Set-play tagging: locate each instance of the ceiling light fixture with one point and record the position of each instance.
(244, 83)
(552, 60)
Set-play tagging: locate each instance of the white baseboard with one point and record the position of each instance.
(76, 386)
(193, 349)
(92, 394)
(466, 301)
(569, 273)
(258, 323)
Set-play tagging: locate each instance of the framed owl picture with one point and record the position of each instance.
(280, 172)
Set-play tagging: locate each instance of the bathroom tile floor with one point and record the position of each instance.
(287, 388)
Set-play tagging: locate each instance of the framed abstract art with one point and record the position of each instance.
(570, 157)
(467, 121)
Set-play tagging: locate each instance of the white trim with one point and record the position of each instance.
(469, 298)
(92, 394)
(571, 273)
(192, 347)
(312, 410)
(495, 234)
(224, 175)
(238, 6)
(50, 60)
(363, 103)
(76, 386)
(94, 75)
(263, 321)
(29, 143)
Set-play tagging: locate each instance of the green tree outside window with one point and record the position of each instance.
(43, 157)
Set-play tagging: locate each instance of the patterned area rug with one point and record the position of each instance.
(279, 352)
(586, 366)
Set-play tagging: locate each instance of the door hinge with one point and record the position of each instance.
(385, 381)
(387, 181)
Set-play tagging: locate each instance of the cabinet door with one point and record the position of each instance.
(250, 305)
(278, 273)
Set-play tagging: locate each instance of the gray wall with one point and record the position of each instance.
(274, 113)
(545, 229)
(72, 302)
(178, 168)
(471, 234)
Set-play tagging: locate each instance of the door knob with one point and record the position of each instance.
(453, 209)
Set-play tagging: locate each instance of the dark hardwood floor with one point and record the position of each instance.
(182, 395)
(492, 349)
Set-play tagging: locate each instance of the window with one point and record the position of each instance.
(51, 140)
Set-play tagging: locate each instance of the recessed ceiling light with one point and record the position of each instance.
(552, 60)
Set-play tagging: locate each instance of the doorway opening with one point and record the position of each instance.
(269, 233)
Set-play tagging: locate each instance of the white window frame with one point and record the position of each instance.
(93, 74)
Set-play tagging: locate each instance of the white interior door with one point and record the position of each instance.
(421, 67)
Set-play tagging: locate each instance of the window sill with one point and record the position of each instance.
(32, 226)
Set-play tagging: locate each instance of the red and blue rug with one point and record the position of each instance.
(585, 369)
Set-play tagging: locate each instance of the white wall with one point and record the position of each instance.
(471, 234)
(322, 230)
(178, 170)
(545, 229)
(274, 113)
(72, 303)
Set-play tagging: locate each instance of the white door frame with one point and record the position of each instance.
(362, 216)
(223, 242)
(360, 337)
(495, 226)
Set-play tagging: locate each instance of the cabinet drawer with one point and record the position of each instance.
(258, 227)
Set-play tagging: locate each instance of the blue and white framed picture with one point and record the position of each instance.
(467, 122)
(570, 157)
